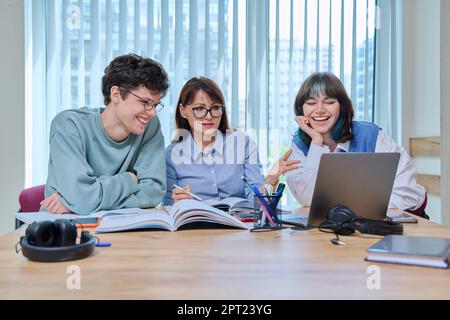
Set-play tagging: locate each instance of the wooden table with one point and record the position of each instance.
(224, 264)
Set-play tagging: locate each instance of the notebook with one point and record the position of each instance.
(231, 204)
(419, 251)
(30, 217)
(182, 213)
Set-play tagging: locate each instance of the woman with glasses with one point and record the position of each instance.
(324, 114)
(207, 158)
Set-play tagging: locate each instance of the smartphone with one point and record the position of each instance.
(86, 222)
(403, 218)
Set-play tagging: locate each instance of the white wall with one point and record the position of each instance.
(445, 110)
(12, 110)
(421, 82)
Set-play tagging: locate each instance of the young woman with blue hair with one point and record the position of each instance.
(324, 114)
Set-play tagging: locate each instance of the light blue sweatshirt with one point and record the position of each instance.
(90, 170)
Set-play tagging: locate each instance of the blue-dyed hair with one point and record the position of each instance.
(327, 84)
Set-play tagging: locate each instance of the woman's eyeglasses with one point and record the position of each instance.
(200, 111)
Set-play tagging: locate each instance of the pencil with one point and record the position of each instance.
(190, 193)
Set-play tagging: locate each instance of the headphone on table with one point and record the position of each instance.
(55, 241)
(341, 220)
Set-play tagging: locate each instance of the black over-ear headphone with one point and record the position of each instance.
(341, 220)
(55, 241)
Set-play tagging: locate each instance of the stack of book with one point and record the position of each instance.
(419, 251)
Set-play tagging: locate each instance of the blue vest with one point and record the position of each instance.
(365, 136)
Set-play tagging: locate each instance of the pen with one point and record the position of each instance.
(264, 205)
(253, 188)
(280, 188)
(269, 189)
(263, 219)
(193, 195)
(266, 212)
(247, 183)
(103, 244)
(278, 195)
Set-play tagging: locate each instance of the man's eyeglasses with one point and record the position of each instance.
(200, 111)
(148, 104)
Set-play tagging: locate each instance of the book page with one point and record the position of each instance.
(230, 202)
(214, 202)
(188, 211)
(237, 202)
(149, 219)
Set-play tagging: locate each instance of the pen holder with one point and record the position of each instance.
(265, 211)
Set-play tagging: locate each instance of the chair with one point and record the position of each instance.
(421, 210)
(30, 199)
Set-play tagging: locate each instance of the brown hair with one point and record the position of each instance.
(188, 93)
(131, 71)
(329, 85)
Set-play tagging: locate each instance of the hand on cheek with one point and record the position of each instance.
(305, 125)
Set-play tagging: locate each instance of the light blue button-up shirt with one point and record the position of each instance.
(215, 173)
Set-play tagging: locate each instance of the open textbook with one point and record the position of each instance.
(181, 213)
(170, 218)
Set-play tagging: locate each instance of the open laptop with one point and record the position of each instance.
(361, 181)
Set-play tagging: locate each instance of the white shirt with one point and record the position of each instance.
(406, 193)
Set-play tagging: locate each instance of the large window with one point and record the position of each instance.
(258, 51)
